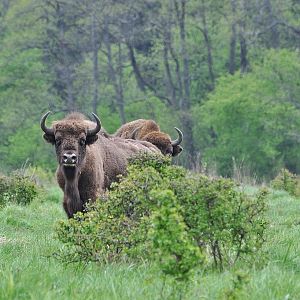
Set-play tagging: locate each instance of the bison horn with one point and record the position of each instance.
(179, 139)
(135, 132)
(94, 131)
(47, 130)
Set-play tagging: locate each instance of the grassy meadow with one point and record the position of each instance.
(226, 73)
(29, 270)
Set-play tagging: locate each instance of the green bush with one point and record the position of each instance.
(159, 208)
(286, 181)
(17, 188)
(221, 218)
(3, 189)
(174, 247)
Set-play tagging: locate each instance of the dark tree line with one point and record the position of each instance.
(112, 56)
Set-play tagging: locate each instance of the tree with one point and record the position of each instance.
(62, 48)
(256, 117)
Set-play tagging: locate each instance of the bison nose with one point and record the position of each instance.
(69, 158)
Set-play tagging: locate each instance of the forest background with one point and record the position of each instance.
(227, 73)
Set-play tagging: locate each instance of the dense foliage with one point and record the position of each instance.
(255, 117)
(163, 211)
(286, 181)
(225, 72)
(17, 188)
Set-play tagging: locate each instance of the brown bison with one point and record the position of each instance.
(148, 130)
(89, 160)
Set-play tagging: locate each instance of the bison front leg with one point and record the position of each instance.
(66, 208)
(70, 211)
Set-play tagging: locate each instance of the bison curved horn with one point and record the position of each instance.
(47, 130)
(179, 139)
(135, 132)
(94, 131)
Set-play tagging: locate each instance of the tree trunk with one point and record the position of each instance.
(139, 79)
(243, 53)
(95, 64)
(5, 6)
(208, 47)
(171, 89)
(185, 102)
(113, 75)
(274, 36)
(243, 44)
(142, 83)
(233, 38)
(120, 95)
(66, 73)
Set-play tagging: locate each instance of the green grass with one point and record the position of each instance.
(28, 270)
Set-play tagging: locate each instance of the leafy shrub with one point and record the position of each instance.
(162, 209)
(173, 246)
(17, 188)
(118, 223)
(286, 181)
(227, 221)
(3, 189)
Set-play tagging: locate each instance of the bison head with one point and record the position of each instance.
(163, 141)
(70, 137)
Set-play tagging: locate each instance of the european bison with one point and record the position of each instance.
(148, 130)
(89, 160)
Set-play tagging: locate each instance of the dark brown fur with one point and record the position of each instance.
(100, 160)
(148, 130)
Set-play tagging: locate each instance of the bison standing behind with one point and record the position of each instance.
(148, 130)
(89, 160)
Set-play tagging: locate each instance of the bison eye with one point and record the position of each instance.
(58, 142)
(82, 142)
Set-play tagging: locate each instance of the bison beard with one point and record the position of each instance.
(148, 130)
(69, 184)
(89, 160)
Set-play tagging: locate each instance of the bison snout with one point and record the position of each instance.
(69, 159)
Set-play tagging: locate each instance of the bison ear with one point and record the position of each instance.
(49, 138)
(91, 139)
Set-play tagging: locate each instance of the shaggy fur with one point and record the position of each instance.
(148, 130)
(100, 159)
